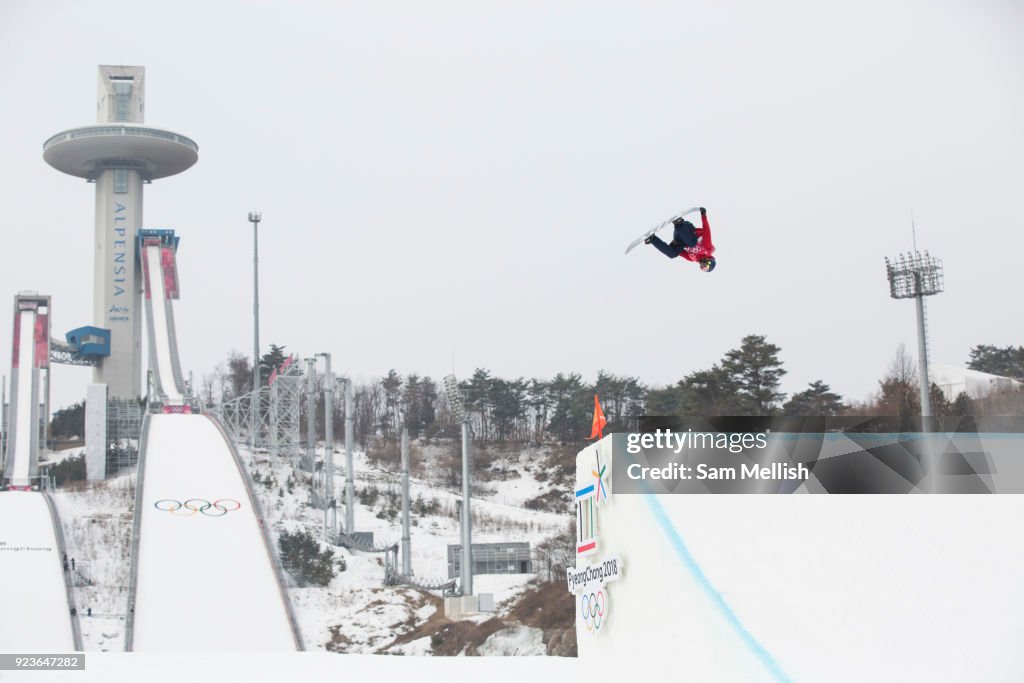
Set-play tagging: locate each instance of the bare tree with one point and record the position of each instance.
(898, 391)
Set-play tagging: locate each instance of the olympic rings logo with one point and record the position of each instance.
(193, 506)
(593, 607)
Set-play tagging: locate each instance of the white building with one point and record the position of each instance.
(955, 380)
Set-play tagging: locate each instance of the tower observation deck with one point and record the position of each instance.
(119, 155)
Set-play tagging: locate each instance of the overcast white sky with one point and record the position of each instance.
(465, 176)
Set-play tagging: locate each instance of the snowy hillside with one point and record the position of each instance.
(355, 612)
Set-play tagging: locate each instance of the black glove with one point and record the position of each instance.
(703, 211)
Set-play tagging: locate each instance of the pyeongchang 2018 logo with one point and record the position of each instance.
(193, 507)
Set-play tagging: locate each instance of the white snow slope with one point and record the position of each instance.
(34, 610)
(811, 587)
(205, 581)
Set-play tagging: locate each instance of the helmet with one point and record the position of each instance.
(707, 264)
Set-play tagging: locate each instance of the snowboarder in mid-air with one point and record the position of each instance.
(689, 242)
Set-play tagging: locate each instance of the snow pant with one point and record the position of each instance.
(665, 249)
(684, 234)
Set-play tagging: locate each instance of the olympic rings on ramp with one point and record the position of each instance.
(193, 506)
(593, 607)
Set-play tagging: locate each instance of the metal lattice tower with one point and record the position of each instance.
(285, 399)
(124, 429)
(914, 276)
(277, 413)
(237, 416)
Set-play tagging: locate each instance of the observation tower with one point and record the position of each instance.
(119, 155)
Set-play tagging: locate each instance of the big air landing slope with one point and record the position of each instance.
(800, 587)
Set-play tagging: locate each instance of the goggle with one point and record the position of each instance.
(705, 265)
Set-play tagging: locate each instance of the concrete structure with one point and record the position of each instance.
(119, 155)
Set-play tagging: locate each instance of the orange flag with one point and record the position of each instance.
(599, 422)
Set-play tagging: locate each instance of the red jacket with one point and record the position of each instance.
(704, 248)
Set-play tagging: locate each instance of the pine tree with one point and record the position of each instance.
(304, 560)
(539, 401)
(69, 422)
(1004, 361)
(572, 405)
(392, 388)
(507, 403)
(815, 401)
(711, 392)
(755, 370)
(270, 361)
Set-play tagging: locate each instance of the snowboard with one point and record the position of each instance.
(653, 230)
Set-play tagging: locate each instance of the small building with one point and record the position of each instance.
(492, 558)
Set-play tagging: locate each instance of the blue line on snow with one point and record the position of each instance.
(716, 598)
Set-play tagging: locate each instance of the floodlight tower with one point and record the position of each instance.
(451, 387)
(119, 155)
(916, 275)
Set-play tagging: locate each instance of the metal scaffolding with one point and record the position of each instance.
(277, 414)
(236, 415)
(124, 429)
(285, 399)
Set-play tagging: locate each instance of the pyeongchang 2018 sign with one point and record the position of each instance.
(589, 582)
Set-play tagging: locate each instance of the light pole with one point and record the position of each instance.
(451, 386)
(914, 276)
(254, 218)
(330, 507)
(350, 485)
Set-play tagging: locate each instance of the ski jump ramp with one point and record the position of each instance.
(35, 610)
(160, 282)
(35, 614)
(30, 358)
(799, 587)
(204, 577)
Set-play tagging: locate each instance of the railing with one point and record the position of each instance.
(97, 131)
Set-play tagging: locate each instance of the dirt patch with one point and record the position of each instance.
(551, 608)
(434, 623)
(555, 500)
(339, 642)
(449, 638)
(458, 637)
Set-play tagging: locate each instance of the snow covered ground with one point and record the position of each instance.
(34, 610)
(355, 613)
(97, 521)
